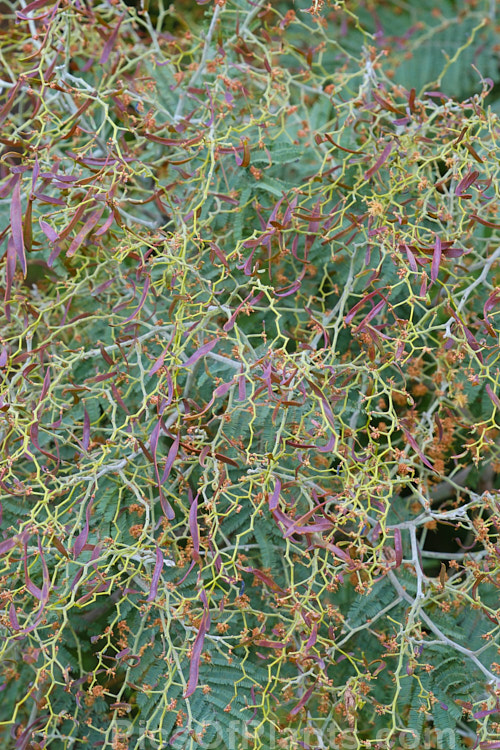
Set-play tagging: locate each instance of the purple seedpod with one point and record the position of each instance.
(245, 160)
(7, 545)
(4, 111)
(487, 712)
(291, 290)
(436, 259)
(466, 182)
(350, 315)
(44, 198)
(494, 398)
(84, 231)
(141, 302)
(86, 430)
(313, 637)
(45, 575)
(16, 223)
(373, 312)
(46, 384)
(265, 643)
(165, 505)
(159, 362)
(171, 456)
(13, 617)
(106, 51)
(302, 702)
(471, 339)
(105, 226)
(119, 400)
(489, 305)
(48, 231)
(193, 525)
(76, 580)
(439, 426)
(218, 252)
(274, 498)
(156, 575)
(34, 590)
(312, 528)
(416, 448)
(222, 389)
(81, 539)
(194, 667)
(242, 388)
(312, 227)
(229, 325)
(423, 285)
(398, 547)
(338, 552)
(199, 353)
(382, 158)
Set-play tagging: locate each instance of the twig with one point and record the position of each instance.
(466, 293)
(201, 68)
(441, 636)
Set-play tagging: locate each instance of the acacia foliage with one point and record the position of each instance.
(249, 359)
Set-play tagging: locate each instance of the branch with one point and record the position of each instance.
(441, 636)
